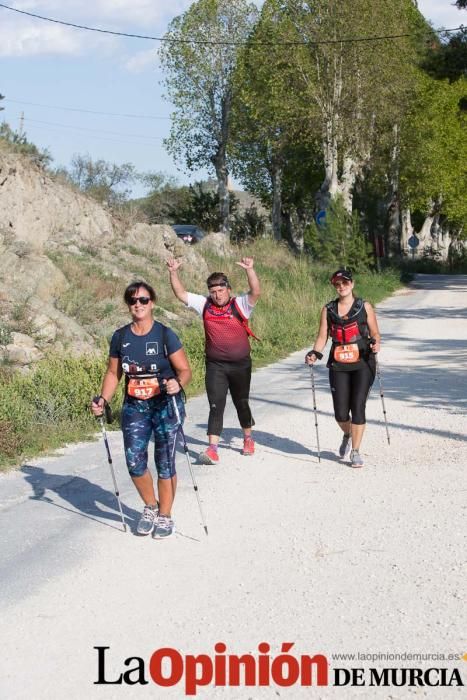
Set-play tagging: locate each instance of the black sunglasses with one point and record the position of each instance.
(142, 300)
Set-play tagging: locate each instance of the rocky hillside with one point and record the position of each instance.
(65, 260)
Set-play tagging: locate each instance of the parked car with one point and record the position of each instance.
(189, 233)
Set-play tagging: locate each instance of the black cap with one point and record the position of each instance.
(341, 274)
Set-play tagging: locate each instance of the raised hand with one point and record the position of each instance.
(246, 263)
(173, 265)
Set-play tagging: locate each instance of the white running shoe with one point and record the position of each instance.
(165, 527)
(147, 520)
(356, 459)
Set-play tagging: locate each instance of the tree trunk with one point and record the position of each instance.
(425, 233)
(219, 160)
(222, 175)
(295, 223)
(406, 231)
(394, 225)
(330, 185)
(276, 180)
(394, 216)
(443, 239)
(347, 183)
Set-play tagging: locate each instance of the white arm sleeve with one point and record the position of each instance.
(196, 302)
(245, 307)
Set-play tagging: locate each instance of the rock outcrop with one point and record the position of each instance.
(35, 207)
(60, 252)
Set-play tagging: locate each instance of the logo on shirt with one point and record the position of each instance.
(152, 348)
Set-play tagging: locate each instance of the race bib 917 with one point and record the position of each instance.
(144, 388)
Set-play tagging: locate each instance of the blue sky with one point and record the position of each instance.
(59, 67)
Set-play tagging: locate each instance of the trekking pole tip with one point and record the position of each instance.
(206, 529)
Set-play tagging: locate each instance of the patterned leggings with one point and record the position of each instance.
(140, 420)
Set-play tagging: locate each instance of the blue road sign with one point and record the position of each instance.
(320, 217)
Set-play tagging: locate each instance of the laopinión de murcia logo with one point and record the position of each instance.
(168, 667)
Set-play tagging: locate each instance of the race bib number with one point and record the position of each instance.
(144, 388)
(346, 353)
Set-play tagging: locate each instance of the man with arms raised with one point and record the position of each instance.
(228, 360)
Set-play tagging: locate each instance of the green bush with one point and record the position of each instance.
(339, 241)
(247, 225)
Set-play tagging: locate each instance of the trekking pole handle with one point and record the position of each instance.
(107, 410)
(318, 355)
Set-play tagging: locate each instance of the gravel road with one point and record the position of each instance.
(334, 559)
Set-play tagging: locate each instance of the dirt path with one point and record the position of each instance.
(333, 559)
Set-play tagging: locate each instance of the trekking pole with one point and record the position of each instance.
(109, 418)
(312, 375)
(185, 449)
(381, 393)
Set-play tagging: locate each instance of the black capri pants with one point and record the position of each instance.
(220, 378)
(350, 392)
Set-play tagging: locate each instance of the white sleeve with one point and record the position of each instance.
(245, 307)
(196, 302)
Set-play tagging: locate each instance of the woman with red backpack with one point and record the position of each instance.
(351, 324)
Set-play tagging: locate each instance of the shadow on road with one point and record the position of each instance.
(85, 497)
(275, 442)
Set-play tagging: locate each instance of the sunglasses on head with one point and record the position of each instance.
(142, 300)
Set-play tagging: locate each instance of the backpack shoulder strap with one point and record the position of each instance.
(205, 308)
(359, 305)
(164, 338)
(166, 354)
(120, 336)
(237, 312)
(332, 310)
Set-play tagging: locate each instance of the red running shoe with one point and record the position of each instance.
(248, 446)
(209, 456)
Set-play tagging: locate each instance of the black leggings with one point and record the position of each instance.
(350, 391)
(220, 377)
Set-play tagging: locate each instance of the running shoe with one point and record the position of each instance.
(356, 459)
(248, 446)
(209, 456)
(346, 444)
(165, 527)
(147, 520)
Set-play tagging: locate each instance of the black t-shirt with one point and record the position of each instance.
(145, 354)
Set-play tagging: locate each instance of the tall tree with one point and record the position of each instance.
(433, 157)
(356, 90)
(265, 113)
(199, 56)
